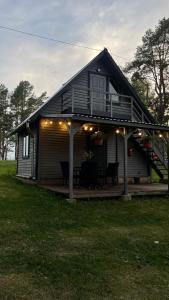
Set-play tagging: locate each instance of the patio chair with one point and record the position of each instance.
(112, 171)
(65, 173)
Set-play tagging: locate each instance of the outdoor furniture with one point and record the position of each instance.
(76, 176)
(89, 174)
(101, 176)
(112, 171)
(65, 173)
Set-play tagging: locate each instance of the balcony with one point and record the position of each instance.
(98, 103)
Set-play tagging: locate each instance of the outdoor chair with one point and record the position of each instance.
(65, 173)
(102, 176)
(112, 172)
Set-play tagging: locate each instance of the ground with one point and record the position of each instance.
(50, 249)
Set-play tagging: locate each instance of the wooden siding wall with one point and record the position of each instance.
(54, 106)
(54, 148)
(137, 165)
(26, 167)
(81, 96)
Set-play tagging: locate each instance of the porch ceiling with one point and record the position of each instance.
(108, 121)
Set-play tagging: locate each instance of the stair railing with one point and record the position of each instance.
(159, 144)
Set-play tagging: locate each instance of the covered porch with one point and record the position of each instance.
(73, 124)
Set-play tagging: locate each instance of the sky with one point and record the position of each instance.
(116, 25)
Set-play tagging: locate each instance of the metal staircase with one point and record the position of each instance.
(156, 155)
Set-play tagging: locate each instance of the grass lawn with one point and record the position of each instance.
(50, 249)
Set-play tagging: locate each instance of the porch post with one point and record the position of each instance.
(72, 129)
(126, 135)
(71, 149)
(125, 164)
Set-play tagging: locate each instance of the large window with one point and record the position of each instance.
(26, 141)
(113, 94)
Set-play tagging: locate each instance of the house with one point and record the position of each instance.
(97, 100)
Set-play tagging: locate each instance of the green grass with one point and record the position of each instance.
(155, 177)
(50, 249)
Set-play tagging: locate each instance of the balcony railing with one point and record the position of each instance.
(96, 102)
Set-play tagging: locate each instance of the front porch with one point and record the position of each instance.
(65, 139)
(109, 191)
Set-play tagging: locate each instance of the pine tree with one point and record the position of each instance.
(24, 101)
(152, 62)
(5, 122)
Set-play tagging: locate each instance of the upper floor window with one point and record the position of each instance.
(113, 94)
(26, 142)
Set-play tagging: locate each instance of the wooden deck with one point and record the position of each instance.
(109, 191)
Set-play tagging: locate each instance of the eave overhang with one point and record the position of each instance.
(109, 121)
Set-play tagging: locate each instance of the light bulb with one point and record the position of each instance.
(85, 127)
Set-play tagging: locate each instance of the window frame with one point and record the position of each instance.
(26, 146)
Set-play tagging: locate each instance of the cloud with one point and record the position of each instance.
(117, 25)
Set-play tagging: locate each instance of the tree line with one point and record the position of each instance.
(14, 108)
(148, 73)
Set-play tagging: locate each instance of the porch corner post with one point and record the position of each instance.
(125, 164)
(71, 149)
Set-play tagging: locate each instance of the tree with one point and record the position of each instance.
(24, 101)
(5, 122)
(152, 63)
(141, 85)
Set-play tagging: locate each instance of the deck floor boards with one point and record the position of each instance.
(111, 191)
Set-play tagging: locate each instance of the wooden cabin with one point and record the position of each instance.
(96, 116)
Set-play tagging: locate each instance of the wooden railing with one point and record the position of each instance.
(101, 103)
(95, 102)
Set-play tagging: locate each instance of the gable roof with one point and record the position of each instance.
(103, 54)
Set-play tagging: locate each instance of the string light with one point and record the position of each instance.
(85, 127)
(51, 122)
(68, 123)
(91, 129)
(160, 135)
(60, 122)
(117, 131)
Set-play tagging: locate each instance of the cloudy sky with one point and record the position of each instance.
(116, 25)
